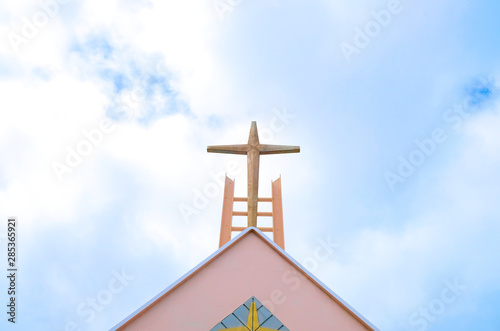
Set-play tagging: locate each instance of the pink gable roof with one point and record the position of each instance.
(249, 265)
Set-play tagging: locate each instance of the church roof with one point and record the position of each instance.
(249, 266)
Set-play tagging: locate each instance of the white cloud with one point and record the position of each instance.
(451, 235)
(41, 120)
(154, 160)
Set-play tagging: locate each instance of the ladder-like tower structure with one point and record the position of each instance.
(253, 149)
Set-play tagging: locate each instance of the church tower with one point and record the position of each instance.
(250, 283)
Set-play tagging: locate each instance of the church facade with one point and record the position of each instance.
(250, 283)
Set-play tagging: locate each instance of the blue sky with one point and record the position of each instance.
(107, 109)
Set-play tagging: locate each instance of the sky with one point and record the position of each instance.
(106, 110)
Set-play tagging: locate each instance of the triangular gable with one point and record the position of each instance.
(250, 265)
(252, 315)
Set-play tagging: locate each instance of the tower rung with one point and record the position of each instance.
(260, 213)
(236, 199)
(241, 228)
(228, 213)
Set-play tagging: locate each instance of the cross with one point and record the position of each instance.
(253, 150)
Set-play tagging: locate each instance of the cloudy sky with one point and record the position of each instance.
(107, 109)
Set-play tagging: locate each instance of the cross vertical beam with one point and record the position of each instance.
(253, 186)
(253, 149)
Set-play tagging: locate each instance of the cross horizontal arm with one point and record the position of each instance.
(229, 149)
(278, 149)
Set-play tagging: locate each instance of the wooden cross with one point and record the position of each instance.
(253, 150)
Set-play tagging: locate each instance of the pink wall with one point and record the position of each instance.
(251, 266)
